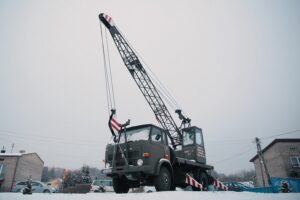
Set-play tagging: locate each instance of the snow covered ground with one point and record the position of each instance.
(177, 195)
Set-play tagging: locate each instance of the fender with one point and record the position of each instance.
(161, 162)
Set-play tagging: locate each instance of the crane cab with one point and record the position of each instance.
(192, 145)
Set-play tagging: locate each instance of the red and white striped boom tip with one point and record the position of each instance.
(106, 20)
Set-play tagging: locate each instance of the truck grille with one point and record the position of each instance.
(119, 161)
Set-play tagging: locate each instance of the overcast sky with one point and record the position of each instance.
(233, 66)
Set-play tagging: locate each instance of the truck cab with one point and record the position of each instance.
(138, 151)
(141, 152)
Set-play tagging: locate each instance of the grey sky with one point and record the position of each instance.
(233, 66)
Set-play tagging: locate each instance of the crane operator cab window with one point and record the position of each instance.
(193, 145)
(198, 137)
(192, 136)
(188, 137)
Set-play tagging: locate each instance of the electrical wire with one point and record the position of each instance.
(233, 156)
(18, 135)
(286, 133)
(262, 138)
(43, 151)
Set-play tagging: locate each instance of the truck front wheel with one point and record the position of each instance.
(120, 185)
(163, 182)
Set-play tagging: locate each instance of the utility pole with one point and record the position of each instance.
(262, 162)
(12, 147)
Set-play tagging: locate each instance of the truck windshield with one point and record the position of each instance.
(135, 134)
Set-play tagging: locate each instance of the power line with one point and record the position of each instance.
(251, 139)
(234, 156)
(242, 153)
(230, 140)
(25, 136)
(286, 133)
(43, 141)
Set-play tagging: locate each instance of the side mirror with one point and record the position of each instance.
(157, 137)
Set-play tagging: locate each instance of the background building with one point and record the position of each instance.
(282, 159)
(17, 167)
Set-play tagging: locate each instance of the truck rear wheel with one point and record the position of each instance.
(202, 178)
(120, 185)
(163, 182)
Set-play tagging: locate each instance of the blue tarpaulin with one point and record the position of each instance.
(293, 185)
(261, 190)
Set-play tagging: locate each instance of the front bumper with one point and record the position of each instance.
(125, 170)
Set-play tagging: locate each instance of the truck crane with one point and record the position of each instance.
(166, 157)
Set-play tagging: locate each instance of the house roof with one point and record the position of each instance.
(36, 155)
(18, 155)
(276, 141)
(10, 154)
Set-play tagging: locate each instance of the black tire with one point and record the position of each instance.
(46, 191)
(26, 191)
(202, 178)
(173, 188)
(120, 185)
(163, 182)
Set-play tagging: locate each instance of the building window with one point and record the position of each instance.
(295, 161)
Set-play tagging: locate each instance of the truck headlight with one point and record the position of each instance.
(139, 162)
(107, 165)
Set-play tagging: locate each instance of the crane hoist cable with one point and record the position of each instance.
(108, 75)
(114, 126)
(111, 79)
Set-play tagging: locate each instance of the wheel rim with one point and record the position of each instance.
(165, 179)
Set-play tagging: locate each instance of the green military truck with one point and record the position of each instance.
(146, 155)
(143, 157)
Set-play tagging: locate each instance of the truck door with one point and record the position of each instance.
(159, 141)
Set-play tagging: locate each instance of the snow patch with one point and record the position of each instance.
(176, 195)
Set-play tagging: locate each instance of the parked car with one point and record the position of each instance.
(102, 186)
(235, 186)
(37, 187)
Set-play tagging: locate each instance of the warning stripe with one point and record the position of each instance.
(114, 121)
(219, 185)
(115, 125)
(192, 182)
(109, 19)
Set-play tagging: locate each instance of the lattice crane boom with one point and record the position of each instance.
(144, 82)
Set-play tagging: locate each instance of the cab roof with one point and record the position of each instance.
(143, 126)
